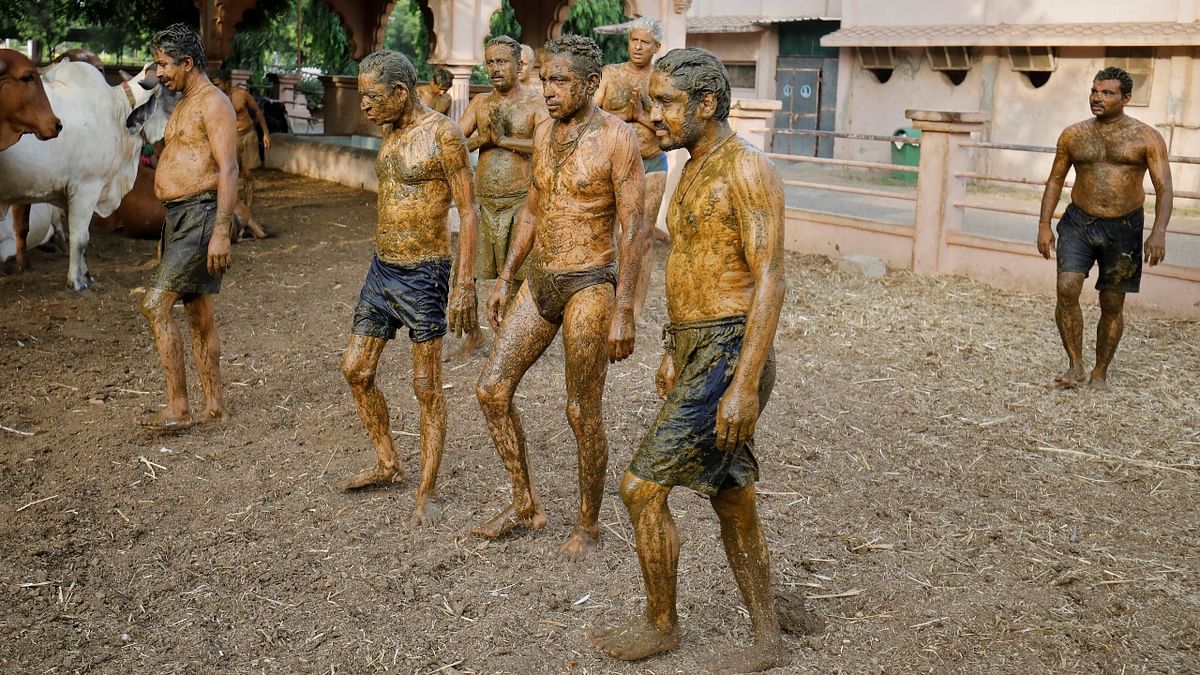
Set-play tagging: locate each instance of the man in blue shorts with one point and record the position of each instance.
(422, 165)
(725, 289)
(1111, 153)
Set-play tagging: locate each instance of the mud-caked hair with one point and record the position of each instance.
(506, 41)
(390, 68)
(442, 77)
(652, 26)
(1119, 74)
(586, 57)
(698, 71)
(179, 41)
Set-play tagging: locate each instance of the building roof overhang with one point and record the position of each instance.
(1152, 34)
(699, 25)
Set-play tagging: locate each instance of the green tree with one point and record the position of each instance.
(585, 15)
(408, 33)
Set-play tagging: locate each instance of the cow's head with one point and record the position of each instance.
(24, 107)
(143, 99)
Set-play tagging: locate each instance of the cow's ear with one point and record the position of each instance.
(137, 118)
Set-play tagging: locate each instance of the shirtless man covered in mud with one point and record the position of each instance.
(500, 125)
(725, 289)
(248, 160)
(1103, 224)
(624, 92)
(422, 165)
(197, 181)
(433, 93)
(528, 75)
(587, 176)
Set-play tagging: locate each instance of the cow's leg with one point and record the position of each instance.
(79, 218)
(20, 215)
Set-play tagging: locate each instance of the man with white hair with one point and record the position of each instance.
(528, 75)
(624, 92)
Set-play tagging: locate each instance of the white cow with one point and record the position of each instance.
(93, 162)
(44, 221)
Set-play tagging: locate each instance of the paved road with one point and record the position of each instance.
(1182, 249)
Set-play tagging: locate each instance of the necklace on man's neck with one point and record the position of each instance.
(562, 145)
(680, 191)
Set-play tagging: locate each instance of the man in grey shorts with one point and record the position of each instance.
(197, 180)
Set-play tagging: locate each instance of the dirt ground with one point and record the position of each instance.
(941, 506)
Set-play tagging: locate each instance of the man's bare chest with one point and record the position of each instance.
(1092, 145)
(409, 158)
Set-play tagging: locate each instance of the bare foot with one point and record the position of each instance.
(1070, 377)
(470, 344)
(427, 512)
(210, 416)
(762, 654)
(376, 475)
(165, 423)
(509, 519)
(636, 639)
(579, 543)
(1098, 382)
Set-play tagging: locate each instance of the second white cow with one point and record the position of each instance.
(93, 162)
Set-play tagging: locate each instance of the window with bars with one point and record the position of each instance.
(881, 61)
(742, 75)
(1139, 63)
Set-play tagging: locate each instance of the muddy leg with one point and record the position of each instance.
(358, 367)
(1108, 335)
(585, 340)
(427, 385)
(746, 548)
(206, 350)
(1069, 317)
(156, 307)
(20, 216)
(522, 338)
(656, 630)
(655, 183)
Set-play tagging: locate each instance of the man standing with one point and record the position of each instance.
(248, 160)
(586, 176)
(1103, 224)
(197, 181)
(500, 125)
(624, 92)
(422, 165)
(725, 289)
(433, 93)
(528, 75)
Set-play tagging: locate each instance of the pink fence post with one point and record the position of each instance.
(938, 186)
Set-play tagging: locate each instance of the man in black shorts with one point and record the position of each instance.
(725, 288)
(422, 165)
(1111, 153)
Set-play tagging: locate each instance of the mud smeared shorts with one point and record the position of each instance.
(552, 290)
(248, 150)
(497, 220)
(1116, 244)
(656, 163)
(184, 240)
(681, 446)
(413, 296)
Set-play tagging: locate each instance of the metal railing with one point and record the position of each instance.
(848, 163)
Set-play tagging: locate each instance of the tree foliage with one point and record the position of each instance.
(585, 15)
(408, 32)
(265, 41)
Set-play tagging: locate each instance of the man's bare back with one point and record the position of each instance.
(187, 165)
(414, 192)
(245, 107)
(1110, 160)
(709, 234)
(575, 173)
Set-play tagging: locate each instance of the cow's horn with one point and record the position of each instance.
(150, 81)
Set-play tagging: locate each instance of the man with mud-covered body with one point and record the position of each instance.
(422, 165)
(500, 125)
(587, 176)
(725, 289)
(244, 106)
(528, 75)
(624, 92)
(1103, 224)
(197, 181)
(433, 93)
